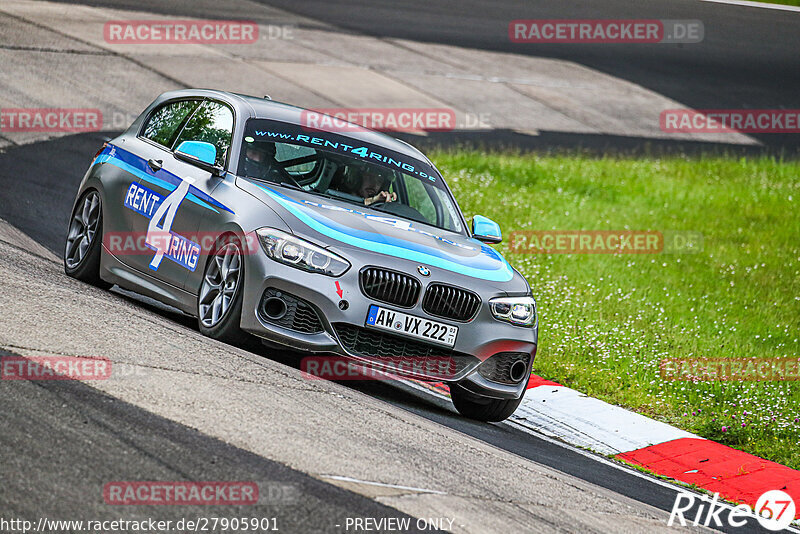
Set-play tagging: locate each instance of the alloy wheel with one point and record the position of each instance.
(82, 229)
(219, 285)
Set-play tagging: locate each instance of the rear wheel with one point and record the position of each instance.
(219, 303)
(481, 408)
(84, 237)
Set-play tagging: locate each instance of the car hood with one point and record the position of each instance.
(327, 220)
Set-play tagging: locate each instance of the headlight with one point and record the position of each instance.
(520, 311)
(286, 248)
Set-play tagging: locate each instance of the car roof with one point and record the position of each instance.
(264, 108)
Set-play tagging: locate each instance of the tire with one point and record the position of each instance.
(84, 240)
(216, 290)
(480, 408)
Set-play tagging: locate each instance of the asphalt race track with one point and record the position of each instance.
(727, 70)
(119, 430)
(40, 206)
(116, 441)
(329, 451)
(748, 58)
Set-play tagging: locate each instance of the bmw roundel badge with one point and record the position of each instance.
(424, 271)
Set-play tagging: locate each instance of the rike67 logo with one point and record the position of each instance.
(774, 510)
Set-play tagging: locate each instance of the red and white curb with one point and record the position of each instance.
(582, 421)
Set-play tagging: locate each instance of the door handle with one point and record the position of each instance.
(154, 164)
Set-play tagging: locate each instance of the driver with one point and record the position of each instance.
(259, 160)
(372, 186)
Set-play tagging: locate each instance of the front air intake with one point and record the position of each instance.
(506, 367)
(450, 302)
(286, 310)
(391, 287)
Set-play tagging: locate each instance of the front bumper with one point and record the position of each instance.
(343, 331)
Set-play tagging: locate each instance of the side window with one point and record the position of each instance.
(419, 199)
(163, 124)
(212, 123)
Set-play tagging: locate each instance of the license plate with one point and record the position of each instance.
(411, 326)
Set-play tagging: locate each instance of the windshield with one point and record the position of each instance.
(335, 166)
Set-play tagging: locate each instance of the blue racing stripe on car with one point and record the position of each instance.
(391, 246)
(171, 187)
(137, 166)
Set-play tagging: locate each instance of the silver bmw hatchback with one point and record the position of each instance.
(345, 242)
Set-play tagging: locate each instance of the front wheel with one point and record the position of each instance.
(219, 303)
(480, 408)
(84, 237)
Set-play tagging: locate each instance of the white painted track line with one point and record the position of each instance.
(762, 5)
(379, 484)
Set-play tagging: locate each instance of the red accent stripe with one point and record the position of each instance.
(536, 381)
(441, 387)
(533, 382)
(735, 475)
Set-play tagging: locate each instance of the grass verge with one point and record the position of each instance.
(606, 321)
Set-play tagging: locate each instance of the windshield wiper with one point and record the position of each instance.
(291, 185)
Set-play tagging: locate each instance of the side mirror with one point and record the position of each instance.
(199, 154)
(486, 230)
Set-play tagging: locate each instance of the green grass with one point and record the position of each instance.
(607, 320)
